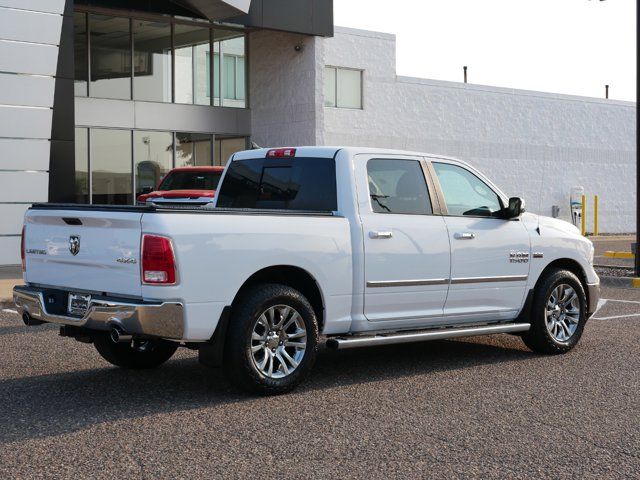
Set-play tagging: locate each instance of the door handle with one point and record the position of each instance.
(465, 236)
(386, 234)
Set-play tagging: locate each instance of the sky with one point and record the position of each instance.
(562, 46)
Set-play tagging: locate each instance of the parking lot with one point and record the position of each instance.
(483, 408)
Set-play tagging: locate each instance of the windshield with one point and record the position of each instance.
(191, 181)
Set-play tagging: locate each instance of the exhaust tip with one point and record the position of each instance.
(119, 336)
(29, 321)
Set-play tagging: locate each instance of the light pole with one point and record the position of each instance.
(637, 252)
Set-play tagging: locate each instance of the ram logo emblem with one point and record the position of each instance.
(74, 244)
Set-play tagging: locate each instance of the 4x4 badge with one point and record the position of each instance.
(74, 244)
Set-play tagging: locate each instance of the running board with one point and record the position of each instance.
(342, 343)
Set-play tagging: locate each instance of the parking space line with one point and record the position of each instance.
(614, 317)
(8, 310)
(621, 301)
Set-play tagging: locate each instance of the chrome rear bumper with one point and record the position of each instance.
(153, 319)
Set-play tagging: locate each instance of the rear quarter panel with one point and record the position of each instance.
(216, 253)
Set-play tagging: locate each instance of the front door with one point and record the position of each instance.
(406, 246)
(489, 254)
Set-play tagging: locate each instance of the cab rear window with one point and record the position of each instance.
(299, 183)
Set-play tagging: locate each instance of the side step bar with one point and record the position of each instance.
(342, 343)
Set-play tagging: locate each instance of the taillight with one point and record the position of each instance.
(281, 152)
(22, 256)
(158, 261)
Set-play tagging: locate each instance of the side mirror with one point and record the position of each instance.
(145, 190)
(515, 208)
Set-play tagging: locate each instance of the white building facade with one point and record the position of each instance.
(98, 101)
(532, 144)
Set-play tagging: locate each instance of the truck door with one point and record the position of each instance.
(489, 254)
(406, 245)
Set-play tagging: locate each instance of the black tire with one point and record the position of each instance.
(239, 364)
(134, 355)
(538, 338)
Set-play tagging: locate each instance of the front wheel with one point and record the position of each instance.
(558, 314)
(272, 340)
(137, 354)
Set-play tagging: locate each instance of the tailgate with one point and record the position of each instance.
(83, 250)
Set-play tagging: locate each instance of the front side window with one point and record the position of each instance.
(466, 194)
(305, 184)
(398, 186)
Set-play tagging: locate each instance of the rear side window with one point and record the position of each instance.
(398, 186)
(297, 183)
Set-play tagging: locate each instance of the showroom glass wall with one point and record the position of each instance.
(155, 60)
(159, 61)
(114, 166)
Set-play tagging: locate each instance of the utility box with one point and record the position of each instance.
(576, 205)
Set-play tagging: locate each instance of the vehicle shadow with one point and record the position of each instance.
(49, 405)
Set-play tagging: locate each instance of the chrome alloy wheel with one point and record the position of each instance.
(278, 341)
(563, 312)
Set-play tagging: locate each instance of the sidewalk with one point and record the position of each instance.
(9, 276)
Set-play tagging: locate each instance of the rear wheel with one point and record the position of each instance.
(558, 314)
(272, 340)
(137, 354)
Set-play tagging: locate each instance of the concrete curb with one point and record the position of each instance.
(6, 303)
(620, 282)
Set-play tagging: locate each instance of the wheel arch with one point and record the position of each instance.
(567, 264)
(294, 277)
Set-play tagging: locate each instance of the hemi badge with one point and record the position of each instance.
(538, 255)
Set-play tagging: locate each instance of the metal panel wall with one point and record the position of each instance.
(24, 154)
(43, 27)
(30, 35)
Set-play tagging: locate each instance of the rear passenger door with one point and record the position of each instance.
(406, 245)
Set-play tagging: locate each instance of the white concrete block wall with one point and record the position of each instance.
(285, 88)
(29, 38)
(532, 144)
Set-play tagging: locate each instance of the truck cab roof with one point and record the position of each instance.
(331, 151)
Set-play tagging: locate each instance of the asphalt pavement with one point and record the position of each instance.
(469, 408)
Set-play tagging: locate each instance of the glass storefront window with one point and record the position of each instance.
(233, 70)
(193, 149)
(110, 57)
(127, 51)
(342, 87)
(329, 87)
(80, 53)
(111, 166)
(151, 61)
(192, 64)
(216, 73)
(349, 88)
(153, 157)
(225, 147)
(82, 165)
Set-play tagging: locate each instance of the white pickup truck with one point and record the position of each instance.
(363, 246)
